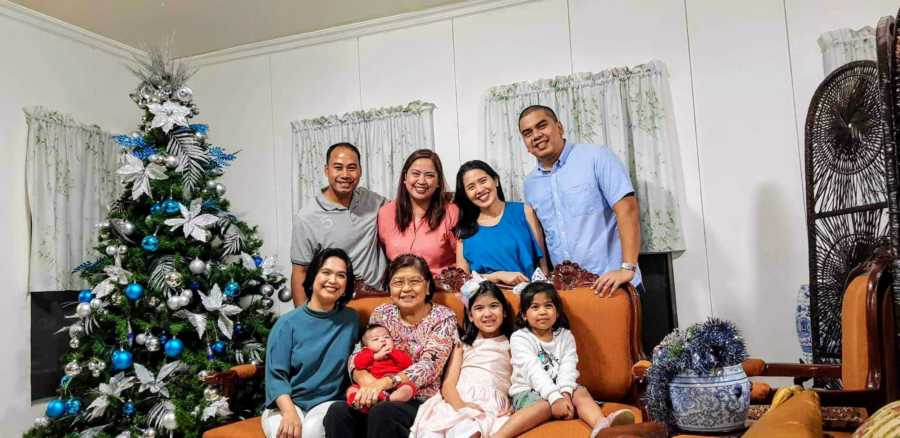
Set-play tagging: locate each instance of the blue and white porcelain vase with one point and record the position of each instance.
(714, 402)
(804, 330)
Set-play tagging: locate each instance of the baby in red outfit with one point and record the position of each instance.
(380, 358)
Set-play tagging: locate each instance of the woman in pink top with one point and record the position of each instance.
(421, 219)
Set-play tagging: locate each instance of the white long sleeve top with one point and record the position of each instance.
(548, 368)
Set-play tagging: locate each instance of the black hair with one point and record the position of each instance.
(342, 145)
(467, 225)
(469, 331)
(368, 328)
(437, 207)
(411, 261)
(316, 264)
(527, 298)
(549, 111)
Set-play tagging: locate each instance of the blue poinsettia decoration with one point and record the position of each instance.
(701, 348)
(140, 148)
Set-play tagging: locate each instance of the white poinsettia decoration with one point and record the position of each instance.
(197, 320)
(167, 115)
(218, 408)
(215, 302)
(156, 384)
(107, 393)
(134, 172)
(192, 221)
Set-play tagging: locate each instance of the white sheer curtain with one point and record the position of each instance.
(384, 136)
(845, 45)
(628, 109)
(70, 177)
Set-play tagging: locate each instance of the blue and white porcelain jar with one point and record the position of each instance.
(714, 402)
(804, 330)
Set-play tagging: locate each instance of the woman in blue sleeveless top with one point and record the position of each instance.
(498, 239)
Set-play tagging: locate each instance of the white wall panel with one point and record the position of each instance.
(752, 196)
(520, 43)
(414, 63)
(608, 34)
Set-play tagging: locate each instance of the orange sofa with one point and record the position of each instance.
(607, 334)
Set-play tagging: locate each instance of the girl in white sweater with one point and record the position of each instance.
(545, 364)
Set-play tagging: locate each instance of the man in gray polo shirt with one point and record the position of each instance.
(342, 216)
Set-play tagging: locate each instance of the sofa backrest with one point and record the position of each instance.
(606, 334)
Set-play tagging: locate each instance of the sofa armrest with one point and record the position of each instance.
(758, 367)
(639, 369)
(227, 380)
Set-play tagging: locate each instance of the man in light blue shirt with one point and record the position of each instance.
(585, 201)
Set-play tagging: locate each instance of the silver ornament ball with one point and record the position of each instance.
(74, 343)
(252, 282)
(211, 394)
(173, 279)
(203, 375)
(73, 369)
(220, 189)
(183, 300)
(152, 343)
(103, 224)
(171, 161)
(152, 301)
(111, 250)
(188, 294)
(267, 303)
(169, 421)
(216, 172)
(149, 433)
(157, 159)
(96, 304)
(173, 302)
(184, 94)
(197, 266)
(284, 295)
(127, 228)
(41, 421)
(267, 290)
(211, 185)
(75, 331)
(141, 338)
(83, 310)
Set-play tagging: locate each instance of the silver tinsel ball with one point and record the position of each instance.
(157, 159)
(75, 331)
(285, 295)
(173, 302)
(83, 310)
(127, 228)
(169, 421)
(96, 304)
(152, 343)
(141, 338)
(171, 161)
(220, 189)
(267, 290)
(184, 94)
(267, 303)
(202, 376)
(211, 394)
(74, 343)
(152, 301)
(73, 369)
(183, 300)
(173, 279)
(197, 266)
(96, 366)
(149, 433)
(41, 421)
(111, 250)
(211, 185)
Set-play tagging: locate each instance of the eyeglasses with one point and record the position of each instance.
(413, 283)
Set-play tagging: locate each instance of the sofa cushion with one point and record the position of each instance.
(798, 417)
(884, 422)
(602, 328)
(855, 335)
(249, 428)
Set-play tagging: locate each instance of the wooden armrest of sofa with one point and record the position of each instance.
(227, 380)
(758, 367)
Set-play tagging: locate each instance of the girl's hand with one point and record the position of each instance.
(367, 395)
(562, 409)
(472, 406)
(508, 278)
(290, 426)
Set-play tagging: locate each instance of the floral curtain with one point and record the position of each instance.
(845, 45)
(384, 136)
(628, 109)
(70, 178)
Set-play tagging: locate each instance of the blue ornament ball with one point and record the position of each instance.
(238, 328)
(171, 206)
(121, 359)
(150, 243)
(156, 209)
(174, 347)
(73, 406)
(257, 260)
(85, 296)
(55, 408)
(218, 347)
(134, 291)
(163, 339)
(194, 285)
(128, 409)
(232, 289)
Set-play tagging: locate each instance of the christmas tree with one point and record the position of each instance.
(178, 291)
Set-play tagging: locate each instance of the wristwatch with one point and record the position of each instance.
(629, 267)
(396, 380)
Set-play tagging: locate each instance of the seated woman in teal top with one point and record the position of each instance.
(308, 348)
(500, 239)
